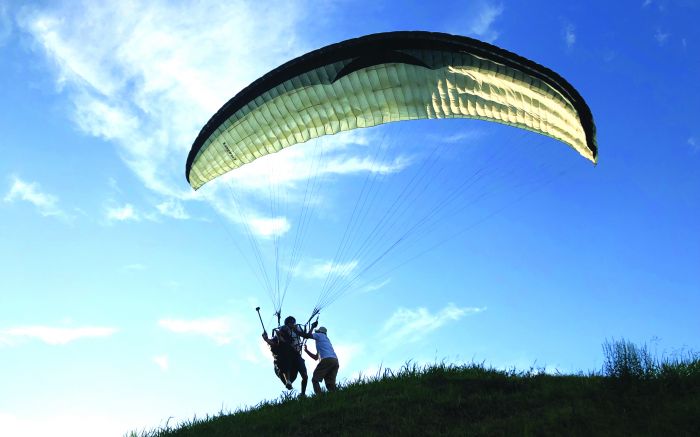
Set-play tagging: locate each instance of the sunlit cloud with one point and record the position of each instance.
(52, 335)
(148, 75)
(162, 362)
(319, 269)
(482, 24)
(218, 329)
(122, 213)
(408, 325)
(173, 208)
(46, 204)
(268, 227)
(570, 35)
(375, 286)
(346, 153)
(465, 136)
(222, 330)
(347, 351)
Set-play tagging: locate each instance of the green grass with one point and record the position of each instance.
(634, 394)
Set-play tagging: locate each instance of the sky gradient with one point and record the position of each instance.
(124, 301)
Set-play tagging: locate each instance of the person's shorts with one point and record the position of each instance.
(300, 366)
(326, 370)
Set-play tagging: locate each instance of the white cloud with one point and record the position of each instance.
(173, 208)
(661, 37)
(347, 351)
(162, 362)
(646, 3)
(318, 269)
(47, 204)
(241, 196)
(286, 169)
(459, 137)
(53, 335)
(148, 75)
(407, 325)
(219, 329)
(484, 18)
(122, 213)
(375, 286)
(570, 35)
(694, 144)
(224, 330)
(269, 227)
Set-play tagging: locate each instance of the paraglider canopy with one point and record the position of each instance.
(388, 77)
(369, 81)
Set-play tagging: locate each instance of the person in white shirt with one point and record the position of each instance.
(327, 368)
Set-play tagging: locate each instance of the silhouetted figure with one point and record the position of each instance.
(327, 368)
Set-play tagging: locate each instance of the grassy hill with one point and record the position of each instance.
(633, 395)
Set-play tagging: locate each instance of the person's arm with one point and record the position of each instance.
(303, 333)
(309, 353)
(267, 339)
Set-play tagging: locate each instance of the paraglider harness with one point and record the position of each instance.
(288, 344)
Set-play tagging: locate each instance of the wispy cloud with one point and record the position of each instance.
(347, 351)
(52, 335)
(646, 3)
(222, 330)
(162, 362)
(46, 204)
(288, 173)
(375, 286)
(570, 35)
(661, 37)
(219, 329)
(464, 136)
(268, 227)
(318, 269)
(123, 213)
(482, 24)
(343, 154)
(173, 208)
(407, 325)
(147, 75)
(694, 144)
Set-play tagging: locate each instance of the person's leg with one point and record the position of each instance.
(317, 377)
(320, 374)
(280, 375)
(317, 386)
(331, 374)
(304, 375)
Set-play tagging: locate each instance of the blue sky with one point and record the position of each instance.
(124, 301)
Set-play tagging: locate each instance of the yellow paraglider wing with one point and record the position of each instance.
(384, 78)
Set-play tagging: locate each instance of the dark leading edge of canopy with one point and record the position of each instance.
(380, 48)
